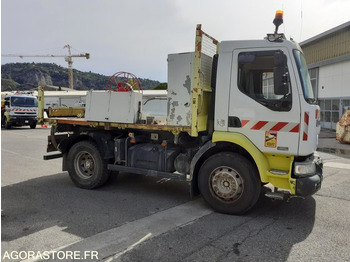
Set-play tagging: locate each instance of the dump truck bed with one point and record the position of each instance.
(188, 101)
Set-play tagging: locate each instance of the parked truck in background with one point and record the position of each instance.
(240, 114)
(19, 110)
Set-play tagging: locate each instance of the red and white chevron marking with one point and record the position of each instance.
(22, 110)
(306, 126)
(271, 126)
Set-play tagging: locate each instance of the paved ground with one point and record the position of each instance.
(136, 218)
(327, 143)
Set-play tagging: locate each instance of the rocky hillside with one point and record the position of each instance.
(26, 76)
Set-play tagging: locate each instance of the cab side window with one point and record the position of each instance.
(264, 77)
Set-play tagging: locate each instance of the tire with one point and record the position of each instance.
(86, 167)
(7, 125)
(33, 126)
(229, 183)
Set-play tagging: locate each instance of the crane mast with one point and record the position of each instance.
(70, 66)
(68, 58)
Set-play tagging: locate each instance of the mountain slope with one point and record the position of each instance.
(25, 76)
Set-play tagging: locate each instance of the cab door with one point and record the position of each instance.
(264, 103)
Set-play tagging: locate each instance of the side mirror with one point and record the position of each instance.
(280, 74)
(280, 78)
(7, 103)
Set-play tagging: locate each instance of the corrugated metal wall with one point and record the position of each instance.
(328, 47)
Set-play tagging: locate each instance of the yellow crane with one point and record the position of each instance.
(68, 58)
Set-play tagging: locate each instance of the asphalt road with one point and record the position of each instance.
(136, 218)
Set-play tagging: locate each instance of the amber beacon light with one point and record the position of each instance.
(278, 20)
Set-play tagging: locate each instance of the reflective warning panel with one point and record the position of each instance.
(271, 139)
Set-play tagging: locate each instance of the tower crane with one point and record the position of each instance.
(68, 58)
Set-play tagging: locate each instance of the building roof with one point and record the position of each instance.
(326, 33)
(56, 88)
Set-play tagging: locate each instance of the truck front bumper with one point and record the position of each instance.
(23, 120)
(309, 184)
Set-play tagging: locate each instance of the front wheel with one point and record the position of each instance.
(229, 183)
(85, 165)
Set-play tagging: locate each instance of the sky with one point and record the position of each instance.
(136, 36)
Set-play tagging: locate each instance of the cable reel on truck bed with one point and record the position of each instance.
(123, 82)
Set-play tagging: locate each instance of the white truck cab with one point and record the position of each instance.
(248, 100)
(19, 110)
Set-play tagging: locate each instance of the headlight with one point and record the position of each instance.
(304, 169)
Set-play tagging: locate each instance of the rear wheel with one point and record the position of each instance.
(229, 183)
(86, 167)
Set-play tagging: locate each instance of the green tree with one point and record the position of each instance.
(161, 86)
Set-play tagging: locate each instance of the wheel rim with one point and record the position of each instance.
(84, 165)
(226, 184)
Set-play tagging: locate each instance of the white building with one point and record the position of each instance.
(328, 58)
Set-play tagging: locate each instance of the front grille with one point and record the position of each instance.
(26, 113)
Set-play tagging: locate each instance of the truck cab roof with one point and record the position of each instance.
(229, 46)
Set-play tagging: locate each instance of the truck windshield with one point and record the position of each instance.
(24, 101)
(304, 77)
